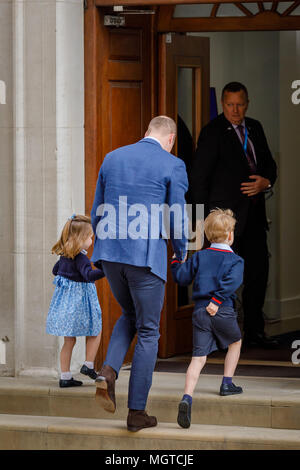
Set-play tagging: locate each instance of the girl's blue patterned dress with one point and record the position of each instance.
(74, 309)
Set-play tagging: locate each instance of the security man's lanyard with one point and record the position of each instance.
(246, 140)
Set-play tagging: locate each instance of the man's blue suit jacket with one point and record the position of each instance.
(141, 173)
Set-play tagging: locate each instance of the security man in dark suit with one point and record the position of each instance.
(233, 168)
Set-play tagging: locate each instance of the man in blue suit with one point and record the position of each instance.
(134, 182)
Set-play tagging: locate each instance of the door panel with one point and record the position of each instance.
(123, 125)
(125, 45)
(184, 88)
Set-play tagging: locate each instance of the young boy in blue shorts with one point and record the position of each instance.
(217, 273)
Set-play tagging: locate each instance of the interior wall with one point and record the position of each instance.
(289, 118)
(260, 60)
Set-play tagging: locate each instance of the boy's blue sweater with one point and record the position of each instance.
(217, 274)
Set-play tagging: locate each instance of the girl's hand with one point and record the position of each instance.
(212, 309)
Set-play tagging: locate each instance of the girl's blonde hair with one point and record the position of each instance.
(218, 224)
(76, 230)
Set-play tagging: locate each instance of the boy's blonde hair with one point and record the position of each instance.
(76, 230)
(218, 224)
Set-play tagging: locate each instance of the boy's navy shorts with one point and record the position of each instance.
(213, 332)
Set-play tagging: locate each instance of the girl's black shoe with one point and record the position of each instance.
(69, 383)
(87, 371)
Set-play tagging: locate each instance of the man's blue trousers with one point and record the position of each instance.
(140, 294)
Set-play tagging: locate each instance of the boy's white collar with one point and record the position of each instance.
(221, 246)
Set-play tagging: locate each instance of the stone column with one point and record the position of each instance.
(6, 190)
(70, 124)
(45, 167)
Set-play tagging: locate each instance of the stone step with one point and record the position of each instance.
(266, 402)
(23, 432)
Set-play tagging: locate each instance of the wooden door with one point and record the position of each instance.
(119, 104)
(184, 96)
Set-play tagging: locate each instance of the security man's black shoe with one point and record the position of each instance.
(261, 340)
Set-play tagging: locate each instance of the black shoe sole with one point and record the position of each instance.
(71, 385)
(183, 415)
(225, 394)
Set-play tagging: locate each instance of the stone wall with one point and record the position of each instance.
(42, 182)
(7, 308)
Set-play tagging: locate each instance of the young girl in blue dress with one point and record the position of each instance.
(74, 309)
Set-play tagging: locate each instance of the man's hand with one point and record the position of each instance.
(257, 186)
(212, 309)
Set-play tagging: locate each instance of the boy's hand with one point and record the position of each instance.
(182, 261)
(212, 309)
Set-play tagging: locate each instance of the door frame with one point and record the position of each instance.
(264, 20)
(164, 23)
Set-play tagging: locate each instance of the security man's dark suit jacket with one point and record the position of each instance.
(221, 166)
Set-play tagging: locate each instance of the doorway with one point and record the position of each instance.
(130, 64)
(183, 94)
(132, 70)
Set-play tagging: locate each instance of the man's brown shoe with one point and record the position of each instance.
(138, 419)
(105, 391)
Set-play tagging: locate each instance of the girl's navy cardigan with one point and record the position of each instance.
(78, 269)
(217, 274)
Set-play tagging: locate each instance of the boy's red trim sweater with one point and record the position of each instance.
(216, 273)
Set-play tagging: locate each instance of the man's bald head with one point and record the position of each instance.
(163, 128)
(163, 125)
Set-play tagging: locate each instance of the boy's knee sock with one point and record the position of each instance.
(227, 381)
(188, 398)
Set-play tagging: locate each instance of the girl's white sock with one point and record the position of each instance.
(90, 365)
(66, 375)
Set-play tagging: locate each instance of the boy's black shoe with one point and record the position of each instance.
(184, 414)
(90, 372)
(230, 389)
(69, 383)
